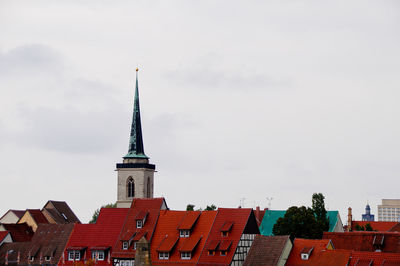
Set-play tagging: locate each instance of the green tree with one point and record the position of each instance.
(298, 222)
(368, 227)
(190, 207)
(359, 228)
(211, 208)
(318, 206)
(96, 212)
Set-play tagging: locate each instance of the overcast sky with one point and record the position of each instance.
(239, 99)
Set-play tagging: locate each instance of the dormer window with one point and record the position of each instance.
(184, 233)
(224, 233)
(306, 252)
(139, 223)
(74, 255)
(163, 255)
(185, 255)
(32, 258)
(47, 258)
(134, 245)
(125, 245)
(223, 252)
(98, 255)
(226, 228)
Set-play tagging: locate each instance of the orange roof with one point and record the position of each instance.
(167, 243)
(334, 257)
(140, 208)
(376, 226)
(377, 258)
(300, 244)
(189, 220)
(227, 226)
(167, 228)
(242, 219)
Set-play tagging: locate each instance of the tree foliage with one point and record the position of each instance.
(367, 227)
(303, 222)
(190, 207)
(298, 222)
(96, 212)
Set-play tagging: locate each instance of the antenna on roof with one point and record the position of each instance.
(241, 205)
(269, 199)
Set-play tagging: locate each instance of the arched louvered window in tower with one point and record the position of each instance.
(130, 187)
(148, 187)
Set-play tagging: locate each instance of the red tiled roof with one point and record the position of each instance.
(189, 244)
(299, 245)
(3, 235)
(37, 216)
(306, 250)
(376, 226)
(189, 220)
(129, 230)
(104, 233)
(139, 235)
(168, 224)
(213, 245)
(377, 258)
(141, 215)
(19, 232)
(266, 250)
(364, 241)
(243, 218)
(225, 245)
(391, 262)
(227, 226)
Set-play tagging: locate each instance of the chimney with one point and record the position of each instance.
(349, 220)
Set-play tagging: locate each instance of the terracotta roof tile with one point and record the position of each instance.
(3, 235)
(266, 250)
(225, 245)
(213, 245)
(37, 216)
(376, 258)
(376, 226)
(129, 230)
(364, 241)
(227, 226)
(139, 235)
(189, 220)
(141, 215)
(167, 243)
(189, 244)
(60, 212)
(300, 245)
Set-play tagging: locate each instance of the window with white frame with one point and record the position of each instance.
(184, 233)
(47, 258)
(139, 223)
(185, 255)
(97, 254)
(125, 245)
(163, 255)
(134, 245)
(74, 255)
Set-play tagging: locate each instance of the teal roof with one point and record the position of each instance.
(271, 216)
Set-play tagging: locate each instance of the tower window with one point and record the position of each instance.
(130, 187)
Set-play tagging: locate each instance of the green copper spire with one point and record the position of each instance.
(136, 149)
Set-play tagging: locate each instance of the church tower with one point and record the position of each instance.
(135, 173)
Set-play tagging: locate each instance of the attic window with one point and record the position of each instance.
(184, 233)
(223, 252)
(139, 223)
(32, 258)
(74, 255)
(125, 245)
(211, 252)
(63, 215)
(306, 252)
(47, 258)
(185, 255)
(226, 228)
(98, 255)
(224, 233)
(163, 255)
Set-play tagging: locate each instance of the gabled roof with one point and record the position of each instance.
(271, 217)
(37, 216)
(3, 235)
(103, 234)
(301, 245)
(166, 236)
(140, 206)
(376, 226)
(189, 220)
(19, 232)
(364, 240)
(266, 250)
(17, 213)
(244, 222)
(60, 212)
(376, 258)
(49, 240)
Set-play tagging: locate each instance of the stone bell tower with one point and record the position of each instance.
(135, 173)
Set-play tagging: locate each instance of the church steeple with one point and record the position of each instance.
(136, 149)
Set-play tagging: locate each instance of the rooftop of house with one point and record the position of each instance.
(266, 250)
(374, 258)
(37, 216)
(103, 233)
(376, 226)
(271, 217)
(169, 237)
(49, 240)
(145, 209)
(365, 241)
(19, 232)
(3, 235)
(17, 213)
(60, 212)
(311, 247)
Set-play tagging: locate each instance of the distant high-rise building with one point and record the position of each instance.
(135, 173)
(368, 216)
(389, 210)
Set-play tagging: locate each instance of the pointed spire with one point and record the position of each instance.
(136, 149)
